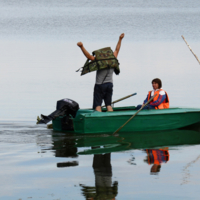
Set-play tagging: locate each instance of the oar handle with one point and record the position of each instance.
(135, 114)
(126, 97)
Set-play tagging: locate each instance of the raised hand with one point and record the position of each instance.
(80, 44)
(121, 36)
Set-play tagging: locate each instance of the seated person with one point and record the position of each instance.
(161, 101)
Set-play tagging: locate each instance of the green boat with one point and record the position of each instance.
(139, 140)
(88, 121)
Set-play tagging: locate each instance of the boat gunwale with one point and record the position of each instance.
(118, 113)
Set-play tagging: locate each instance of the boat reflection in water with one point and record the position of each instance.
(156, 144)
(138, 140)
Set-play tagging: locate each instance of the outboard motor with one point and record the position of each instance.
(65, 107)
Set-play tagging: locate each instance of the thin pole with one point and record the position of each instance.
(190, 49)
(134, 114)
(126, 97)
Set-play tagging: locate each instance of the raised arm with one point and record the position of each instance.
(118, 45)
(85, 52)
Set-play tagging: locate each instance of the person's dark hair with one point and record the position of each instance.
(155, 171)
(157, 80)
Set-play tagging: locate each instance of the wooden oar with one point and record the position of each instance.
(126, 97)
(134, 114)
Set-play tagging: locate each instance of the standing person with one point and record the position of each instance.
(103, 88)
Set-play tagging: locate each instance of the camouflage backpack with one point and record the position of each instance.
(104, 58)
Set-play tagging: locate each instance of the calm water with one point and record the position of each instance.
(38, 163)
(38, 61)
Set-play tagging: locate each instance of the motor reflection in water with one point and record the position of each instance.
(64, 146)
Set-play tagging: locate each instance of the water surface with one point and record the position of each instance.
(39, 58)
(39, 163)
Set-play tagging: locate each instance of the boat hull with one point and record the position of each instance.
(89, 121)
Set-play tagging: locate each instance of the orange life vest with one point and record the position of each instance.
(157, 156)
(164, 104)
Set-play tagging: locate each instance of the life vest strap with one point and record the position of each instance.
(78, 69)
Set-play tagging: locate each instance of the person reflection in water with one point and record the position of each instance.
(157, 157)
(104, 188)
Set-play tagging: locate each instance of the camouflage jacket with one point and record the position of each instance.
(104, 58)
